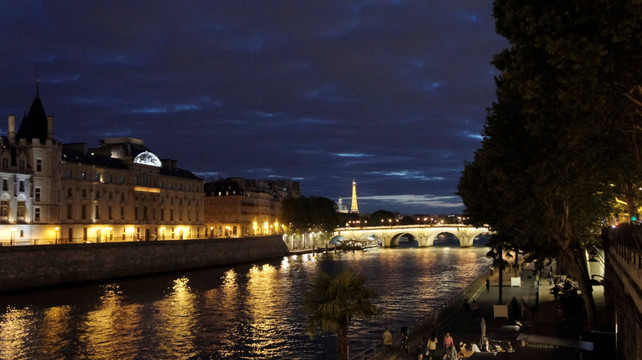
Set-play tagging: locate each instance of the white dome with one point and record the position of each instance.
(147, 158)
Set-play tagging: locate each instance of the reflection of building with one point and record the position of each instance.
(236, 207)
(67, 193)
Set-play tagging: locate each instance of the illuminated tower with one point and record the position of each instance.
(354, 208)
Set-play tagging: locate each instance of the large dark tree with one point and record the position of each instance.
(546, 173)
(306, 214)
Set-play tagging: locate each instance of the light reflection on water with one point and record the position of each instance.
(250, 311)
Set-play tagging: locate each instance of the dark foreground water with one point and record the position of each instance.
(250, 311)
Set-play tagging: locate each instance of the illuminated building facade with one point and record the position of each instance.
(341, 207)
(55, 193)
(236, 207)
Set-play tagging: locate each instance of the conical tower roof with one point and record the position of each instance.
(34, 124)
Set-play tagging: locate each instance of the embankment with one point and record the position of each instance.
(24, 267)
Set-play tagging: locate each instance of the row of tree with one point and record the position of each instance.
(307, 214)
(561, 142)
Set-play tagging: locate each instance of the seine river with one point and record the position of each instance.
(250, 311)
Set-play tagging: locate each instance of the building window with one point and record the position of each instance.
(97, 194)
(22, 209)
(109, 213)
(36, 214)
(122, 179)
(5, 185)
(21, 186)
(4, 208)
(136, 213)
(5, 163)
(38, 165)
(83, 212)
(69, 211)
(171, 214)
(97, 212)
(84, 193)
(162, 214)
(122, 213)
(21, 164)
(122, 197)
(97, 176)
(83, 175)
(69, 193)
(70, 174)
(37, 194)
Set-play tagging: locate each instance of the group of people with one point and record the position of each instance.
(434, 348)
(451, 351)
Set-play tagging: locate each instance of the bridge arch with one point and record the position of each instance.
(424, 234)
(396, 239)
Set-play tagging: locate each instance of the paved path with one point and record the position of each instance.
(545, 319)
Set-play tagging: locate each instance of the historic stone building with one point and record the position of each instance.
(54, 192)
(236, 207)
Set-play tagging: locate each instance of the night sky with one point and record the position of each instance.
(391, 93)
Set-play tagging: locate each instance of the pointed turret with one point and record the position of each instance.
(35, 124)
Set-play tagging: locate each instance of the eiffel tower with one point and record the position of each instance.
(354, 209)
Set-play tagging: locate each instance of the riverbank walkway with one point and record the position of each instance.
(543, 315)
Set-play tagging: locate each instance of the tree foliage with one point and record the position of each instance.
(334, 301)
(306, 214)
(554, 141)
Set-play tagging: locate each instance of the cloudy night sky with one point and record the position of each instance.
(390, 93)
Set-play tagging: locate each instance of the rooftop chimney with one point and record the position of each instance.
(12, 129)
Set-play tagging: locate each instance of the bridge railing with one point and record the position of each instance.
(453, 304)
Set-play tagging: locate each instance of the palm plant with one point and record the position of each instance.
(335, 300)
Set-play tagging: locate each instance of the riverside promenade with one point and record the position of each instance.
(543, 315)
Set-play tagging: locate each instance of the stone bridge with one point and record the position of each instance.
(424, 234)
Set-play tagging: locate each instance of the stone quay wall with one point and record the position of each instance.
(23, 267)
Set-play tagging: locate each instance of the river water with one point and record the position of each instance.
(250, 311)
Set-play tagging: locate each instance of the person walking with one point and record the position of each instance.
(449, 345)
(431, 346)
(515, 309)
(387, 340)
(487, 285)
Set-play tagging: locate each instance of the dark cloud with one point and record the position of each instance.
(390, 93)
